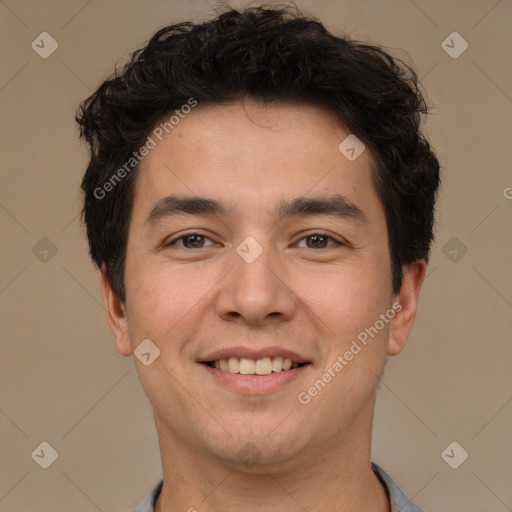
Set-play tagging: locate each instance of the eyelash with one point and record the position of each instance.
(181, 237)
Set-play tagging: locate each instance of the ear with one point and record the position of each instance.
(406, 305)
(116, 315)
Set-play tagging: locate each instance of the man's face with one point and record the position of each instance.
(251, 281)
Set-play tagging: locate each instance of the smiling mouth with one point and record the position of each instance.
(263, 366)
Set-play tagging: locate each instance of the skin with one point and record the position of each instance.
(315, 301)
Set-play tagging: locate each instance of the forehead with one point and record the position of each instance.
(253, 155)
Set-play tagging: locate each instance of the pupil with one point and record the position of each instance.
(317, 237)
(193, 244)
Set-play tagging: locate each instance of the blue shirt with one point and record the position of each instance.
(399, 501)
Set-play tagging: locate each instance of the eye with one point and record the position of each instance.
(197, 241)
(319, 241)
(190, 241)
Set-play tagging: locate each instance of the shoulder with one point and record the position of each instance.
(148, 503)
(399, 501)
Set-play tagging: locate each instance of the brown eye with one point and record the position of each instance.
(319, 241)
(191, 241)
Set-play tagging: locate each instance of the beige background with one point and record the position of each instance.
(63, 382)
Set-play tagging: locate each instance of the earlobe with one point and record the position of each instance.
(407, 299)
(116, 315)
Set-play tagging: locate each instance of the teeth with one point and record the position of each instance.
(233, 364)
(246, 366)
(264, 366)
(277, 364)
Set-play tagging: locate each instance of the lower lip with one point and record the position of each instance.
(255, 384)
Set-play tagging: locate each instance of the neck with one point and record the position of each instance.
(334, 475)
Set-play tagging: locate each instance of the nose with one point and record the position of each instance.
(256, 292)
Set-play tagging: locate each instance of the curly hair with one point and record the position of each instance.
(270, 54)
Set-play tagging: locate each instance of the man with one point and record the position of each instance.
(260, 202)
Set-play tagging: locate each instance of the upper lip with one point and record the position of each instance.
(249, 353)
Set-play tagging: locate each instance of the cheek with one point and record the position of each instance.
(347, 298)
(160, 300)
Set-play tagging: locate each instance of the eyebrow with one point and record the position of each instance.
(335, 205)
